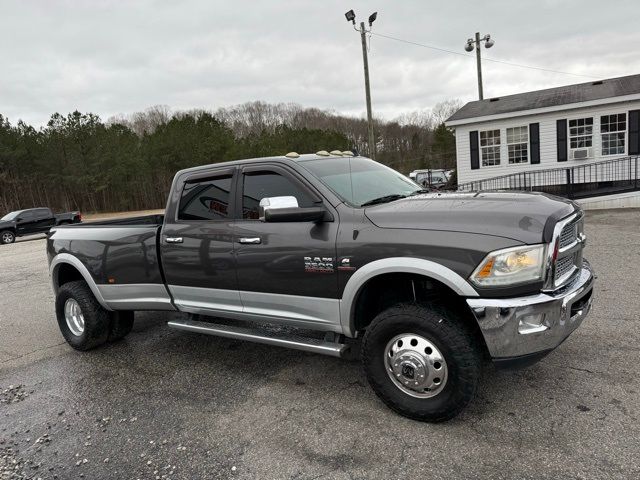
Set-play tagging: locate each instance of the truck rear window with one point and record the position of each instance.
(206, 200)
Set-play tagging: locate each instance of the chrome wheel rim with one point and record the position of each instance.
(415, 365)
(74, 317)
(7, 237)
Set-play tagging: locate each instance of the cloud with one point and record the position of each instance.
(112, 57)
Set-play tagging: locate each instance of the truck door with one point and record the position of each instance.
(26, 222)
(44, 219)
(196, 244)
(286, 271)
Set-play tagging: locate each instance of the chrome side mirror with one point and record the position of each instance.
(286, 209)
(274, 203)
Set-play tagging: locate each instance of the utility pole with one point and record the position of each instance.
(475, 43)
(351, 17)
(365, 60)
(479, 66)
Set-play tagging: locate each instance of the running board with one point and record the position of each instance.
(288, 340)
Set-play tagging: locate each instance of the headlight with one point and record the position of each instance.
(510, 266)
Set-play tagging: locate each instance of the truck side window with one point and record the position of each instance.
(261, 185)
(43, 213)
(206, 200)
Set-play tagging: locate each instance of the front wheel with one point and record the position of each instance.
(421, 361)
(7, 236)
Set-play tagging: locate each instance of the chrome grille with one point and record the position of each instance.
(565, 265)
(569, 259)
(568, 235)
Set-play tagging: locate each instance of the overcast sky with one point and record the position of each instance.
(117, 57)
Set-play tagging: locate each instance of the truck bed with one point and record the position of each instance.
(121, 251)
(127, 221)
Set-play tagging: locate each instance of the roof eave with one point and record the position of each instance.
(537, 111)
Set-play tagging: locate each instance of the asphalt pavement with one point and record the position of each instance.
(168, 404)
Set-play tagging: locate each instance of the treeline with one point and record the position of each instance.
(79, 162)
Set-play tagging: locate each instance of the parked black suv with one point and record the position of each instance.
(33, 220)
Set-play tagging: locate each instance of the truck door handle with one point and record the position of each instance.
(251, 240)
(173, 239)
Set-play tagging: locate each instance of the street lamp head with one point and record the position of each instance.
(372, 18)
(351, 16)
(469, 46)
(488, 42)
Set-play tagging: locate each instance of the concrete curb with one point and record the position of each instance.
(620, 200)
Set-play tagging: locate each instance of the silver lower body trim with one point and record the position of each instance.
(303, 309)
(213, 300)
(269, 338)
(136, 296)
(299, 311)
(515, 327)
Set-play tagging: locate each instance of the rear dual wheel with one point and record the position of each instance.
(84, 323)
(421, 361)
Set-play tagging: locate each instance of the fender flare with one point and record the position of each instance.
(418, 266)
(66, 258)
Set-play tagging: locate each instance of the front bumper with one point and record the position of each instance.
(526, 326)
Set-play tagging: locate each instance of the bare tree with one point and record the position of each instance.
(443, 110)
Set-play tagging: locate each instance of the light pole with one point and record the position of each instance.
(470, 45)
(351, 17)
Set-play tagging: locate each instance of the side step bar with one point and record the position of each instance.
(279, 339)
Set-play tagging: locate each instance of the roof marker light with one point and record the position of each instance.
(336, 152)
(322, 153)
(292, 155)
(347, 153)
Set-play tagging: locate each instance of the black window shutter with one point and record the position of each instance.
(634, 132)
(475, 152)
(534, 142)
(561, 136)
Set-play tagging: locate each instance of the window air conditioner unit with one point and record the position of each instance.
(581, 153)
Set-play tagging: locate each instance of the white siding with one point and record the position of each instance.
(548, 146)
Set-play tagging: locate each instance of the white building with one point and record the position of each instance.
(558, 127)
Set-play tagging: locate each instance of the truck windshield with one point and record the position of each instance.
(361, 181)
(10, 216)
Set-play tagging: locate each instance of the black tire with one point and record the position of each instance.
(7, 236)
(446, 331)
(122, 323)
(97, 321)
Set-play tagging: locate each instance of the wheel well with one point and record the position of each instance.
(386, 290)
(66, 273)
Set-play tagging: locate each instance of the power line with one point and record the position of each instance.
(495, 60)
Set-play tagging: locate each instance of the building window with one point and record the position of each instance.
(613, 129)
(518, 144)
(490, 147)
(580, 133)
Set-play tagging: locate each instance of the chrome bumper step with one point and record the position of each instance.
(280, 339)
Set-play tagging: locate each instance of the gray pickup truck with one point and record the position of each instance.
(337, 254)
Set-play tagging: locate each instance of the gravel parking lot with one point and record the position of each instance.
(168, 404)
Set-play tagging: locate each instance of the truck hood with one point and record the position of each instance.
(526, 217)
